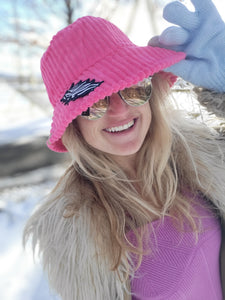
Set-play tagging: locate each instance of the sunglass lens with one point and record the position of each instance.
(138, 94)
(97, 110)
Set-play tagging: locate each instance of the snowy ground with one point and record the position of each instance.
(20, 278)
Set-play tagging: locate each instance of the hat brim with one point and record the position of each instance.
(118, 70)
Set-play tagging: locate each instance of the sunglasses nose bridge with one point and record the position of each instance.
(116, 102)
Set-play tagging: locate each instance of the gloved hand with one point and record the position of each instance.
(201, 35)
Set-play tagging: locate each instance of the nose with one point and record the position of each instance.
(116, 104)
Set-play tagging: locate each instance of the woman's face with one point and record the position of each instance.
(122, 129)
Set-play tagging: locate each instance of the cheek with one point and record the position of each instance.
(88, 130)
(146, 115)
(83, 126)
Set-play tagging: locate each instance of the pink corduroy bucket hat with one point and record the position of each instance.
(91, 59)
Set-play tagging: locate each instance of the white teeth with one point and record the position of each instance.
(120, 128)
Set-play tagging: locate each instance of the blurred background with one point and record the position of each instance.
(28, 170)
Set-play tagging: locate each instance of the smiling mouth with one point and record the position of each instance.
(121, 128)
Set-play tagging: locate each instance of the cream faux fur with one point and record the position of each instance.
(74, 269)
(213, 101)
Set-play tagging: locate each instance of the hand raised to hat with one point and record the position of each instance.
(201, 35)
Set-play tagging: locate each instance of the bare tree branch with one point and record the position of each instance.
(69, 11)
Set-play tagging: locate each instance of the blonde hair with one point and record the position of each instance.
(178, 159)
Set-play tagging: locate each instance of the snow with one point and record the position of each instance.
(21, 119)
(26, 131)
(21, 278)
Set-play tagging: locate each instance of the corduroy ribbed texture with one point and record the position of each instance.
(93, 48)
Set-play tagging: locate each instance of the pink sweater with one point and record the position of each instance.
(181, 268)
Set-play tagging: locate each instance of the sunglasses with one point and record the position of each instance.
(136, 95)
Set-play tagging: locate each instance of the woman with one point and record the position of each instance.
(137, 214)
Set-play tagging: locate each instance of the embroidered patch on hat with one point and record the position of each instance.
(79, 90)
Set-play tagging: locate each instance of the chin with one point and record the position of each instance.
(125, 151)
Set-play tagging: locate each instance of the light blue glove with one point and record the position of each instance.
(201, 35)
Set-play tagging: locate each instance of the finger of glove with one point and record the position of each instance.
(154, 42)
(173, 36)
(203, 5)
(177, 13)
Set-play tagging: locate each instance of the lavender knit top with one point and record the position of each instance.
(181, 268)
